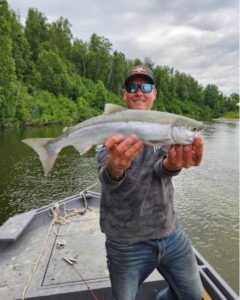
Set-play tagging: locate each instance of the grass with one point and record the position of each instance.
(231, 115)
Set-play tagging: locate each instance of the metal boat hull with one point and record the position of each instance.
(32, 264)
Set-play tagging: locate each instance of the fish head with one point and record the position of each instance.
(184, 130)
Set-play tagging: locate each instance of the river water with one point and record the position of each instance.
(206, 197)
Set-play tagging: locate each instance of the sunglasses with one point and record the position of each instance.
(144, 87)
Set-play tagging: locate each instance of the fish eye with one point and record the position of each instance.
(194, 129)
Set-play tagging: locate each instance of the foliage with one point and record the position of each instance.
(60, 37)
(54, 74)
(231, 115)
(117, 73)
(36, 32)
(47, 76)
(8, 80)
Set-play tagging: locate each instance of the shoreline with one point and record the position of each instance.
(226, 120)
(15, 126)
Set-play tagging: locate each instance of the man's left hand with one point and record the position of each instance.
(184, 156)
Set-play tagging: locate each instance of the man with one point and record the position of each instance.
(137, 213)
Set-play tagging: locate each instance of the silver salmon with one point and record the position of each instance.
(153, 127)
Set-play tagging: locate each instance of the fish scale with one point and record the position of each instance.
(153, 127)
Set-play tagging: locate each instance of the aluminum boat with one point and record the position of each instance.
(57, 252)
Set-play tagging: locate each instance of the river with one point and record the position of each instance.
(206, 197)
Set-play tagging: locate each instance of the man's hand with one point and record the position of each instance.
(186, 156)
(121, 152)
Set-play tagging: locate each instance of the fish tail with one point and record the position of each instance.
(47, 157)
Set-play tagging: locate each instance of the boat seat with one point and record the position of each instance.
(14, 226)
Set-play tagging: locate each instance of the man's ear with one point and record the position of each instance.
(124, 94)
(155, 93)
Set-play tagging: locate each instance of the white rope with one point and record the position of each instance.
(37, 261)
(57, 218)
(89, 187)
(63, 219)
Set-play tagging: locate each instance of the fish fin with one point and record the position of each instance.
(82, 148)
(40, 146)
(113, 108)
(67, 130)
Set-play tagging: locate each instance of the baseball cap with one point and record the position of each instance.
(139, 71)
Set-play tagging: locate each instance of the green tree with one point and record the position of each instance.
(60, 37)
(8, 80)
(134, 62)
(4, 10)
(36, 31)
(100, 98)
(20, 49)
(46, 76)
(99, 59)
(195, 91)
(211, 98)
(165, 84)
(117, 73)
(149, 63)
(231, 103)
(54, 73)
(181, 86)
(79, 57)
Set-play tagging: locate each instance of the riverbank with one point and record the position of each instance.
(226, 120)
(231, 115)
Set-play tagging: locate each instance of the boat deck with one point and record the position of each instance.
(37, 254)
(34, 254)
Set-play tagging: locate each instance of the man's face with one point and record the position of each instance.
(140, 100)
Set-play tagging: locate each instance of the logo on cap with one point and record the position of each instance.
(139, 70)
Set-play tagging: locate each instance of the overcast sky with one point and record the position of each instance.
(198, 37)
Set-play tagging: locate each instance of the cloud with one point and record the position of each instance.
(199, 38)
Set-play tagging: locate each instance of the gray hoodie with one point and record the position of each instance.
(140, 206)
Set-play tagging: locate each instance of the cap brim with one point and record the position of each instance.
(139, 76)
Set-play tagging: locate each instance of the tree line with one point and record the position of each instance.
(48, 76)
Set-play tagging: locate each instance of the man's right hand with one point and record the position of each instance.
(121, 152)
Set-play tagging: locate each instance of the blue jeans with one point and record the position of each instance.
(130, 264)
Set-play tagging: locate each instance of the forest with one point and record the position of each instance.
(48, 76)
